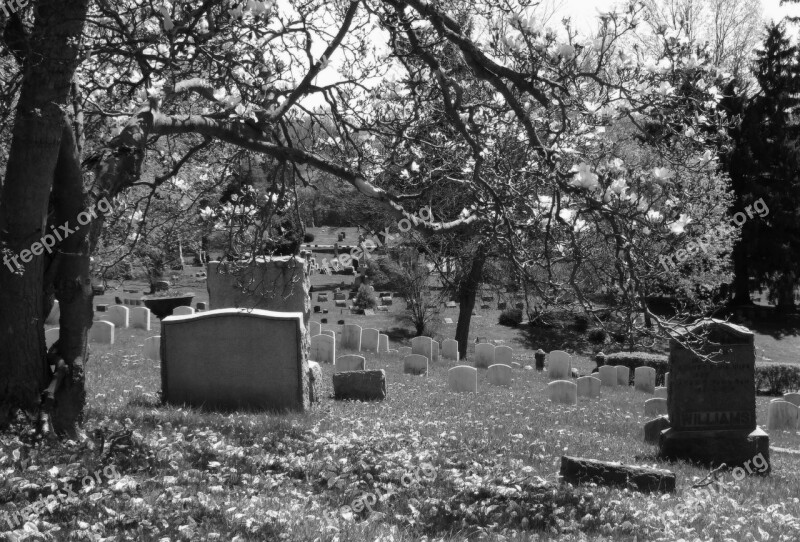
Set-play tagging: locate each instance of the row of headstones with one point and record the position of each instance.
(560, 367)
(116, 317)
(784, 413)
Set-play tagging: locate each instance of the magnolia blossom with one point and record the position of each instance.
(584, 178)
(680, 225)
(565, 51)
(662, 174)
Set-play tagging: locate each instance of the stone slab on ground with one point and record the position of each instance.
(360, 385)
(579, 470)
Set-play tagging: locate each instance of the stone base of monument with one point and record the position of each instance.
(712, 448)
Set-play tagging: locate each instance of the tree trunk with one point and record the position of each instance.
(741, 278)
(786, 292)
(468, 289)
(48, 71)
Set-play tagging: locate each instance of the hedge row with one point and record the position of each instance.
(634, 360)
(772, 379)
(777, 378)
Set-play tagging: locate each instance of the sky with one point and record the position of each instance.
(584, 12)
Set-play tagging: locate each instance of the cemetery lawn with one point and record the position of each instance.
(438, 465)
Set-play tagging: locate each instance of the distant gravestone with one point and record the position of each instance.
(55, 314)
(422, 346)
(450, 349)
(118, 315)
(415, 364)
(448, 320)
(712, 403)
(182, 311)
(588, 386)
(314, 328)
(563, 391)
(404, 350)
(499, 374)
(655, 407)
(321, 298)
(201, 306)
(152, 348)
(140, 318)
(462, 378)
(502, 355)
(322, 348)
(235, 359)
(653, 429)
(340, 296)
(661, 392)
(329, 332)
(559, 364)
(435, 351)
(317, 309)
(50, 337)
(341, 303)
(102, 332)
(369, 312)
(369, 340)
(623, 375)
(644, 379)
(783, 416)
(351, 337)
(450, 305)
(383, 344)
(350, 363)
(666, 379)
(484, 355)
(793, 398)
(608, 376)
(102, 307)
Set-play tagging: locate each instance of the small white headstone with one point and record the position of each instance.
(623, 375)
(666, 379)
(55, 314)
(140, 318)
(450, 349)
(484, 355)
(644, 379)
(117, 315)
(655, 407)
(369, 340)
(448, 320)
(422, 346)
(329, 333)
(350, 363)
(404, 350)
(588, 386)
(152, 348)
(563, 391)
(383, 344)
(608, 375)
(314, 328)
(414, 364)
(499, 374)
(50, 337)
(793, 398)
(462, 378)
(435, 352)
(102, 332)
(661, 392)
(322, 349)
(783, 416)
(351, 337)
(502, 354)
(182, 311)
(559, 365)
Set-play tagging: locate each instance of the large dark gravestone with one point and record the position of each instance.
(711, 397)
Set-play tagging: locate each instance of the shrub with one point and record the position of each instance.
(365, 298)
(580, 323)
(597, 335)
(308, 237)
(510, 317)
(777, 378)
(634, 360)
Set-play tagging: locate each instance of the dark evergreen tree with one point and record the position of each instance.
(763, 166)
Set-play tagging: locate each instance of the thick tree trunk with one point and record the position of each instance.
(468, 289)
(741, 278)
(48, 71)
(786, 292)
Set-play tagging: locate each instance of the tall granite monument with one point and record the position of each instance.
(711, 397)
